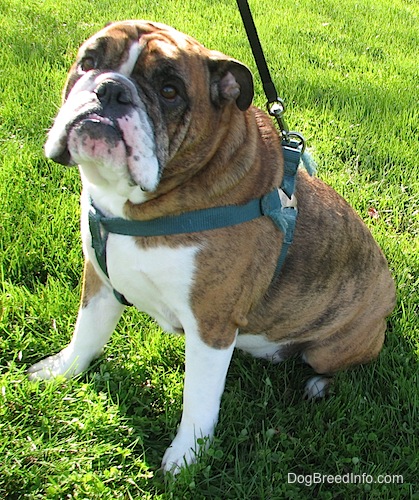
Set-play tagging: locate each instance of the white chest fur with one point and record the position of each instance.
(156, 280)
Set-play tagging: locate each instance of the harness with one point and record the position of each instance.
(283, 215)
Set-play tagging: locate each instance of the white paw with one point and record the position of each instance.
(317, 387)
(183, 451)
(67, 363)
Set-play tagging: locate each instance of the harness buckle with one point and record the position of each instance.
(99, 239)
(284, 215)
(271, 207)
(99, 235)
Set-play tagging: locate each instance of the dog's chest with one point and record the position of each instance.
(157, 280)
(151, 275)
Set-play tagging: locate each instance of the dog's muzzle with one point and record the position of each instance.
(112, 103)
(104, 123)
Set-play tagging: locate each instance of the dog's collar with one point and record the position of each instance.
(284, 215)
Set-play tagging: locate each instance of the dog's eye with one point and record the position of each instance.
(169, 92)
(87, 64)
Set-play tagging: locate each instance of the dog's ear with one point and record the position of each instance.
(230, 80)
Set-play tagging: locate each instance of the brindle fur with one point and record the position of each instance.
(335, 288)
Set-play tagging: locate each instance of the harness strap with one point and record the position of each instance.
(189, 222)
(269, 205)
(292, 156)
(99, 240)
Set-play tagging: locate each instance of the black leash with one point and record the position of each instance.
(252, 35)
(275, 105)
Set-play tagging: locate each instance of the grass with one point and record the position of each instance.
(348, 72)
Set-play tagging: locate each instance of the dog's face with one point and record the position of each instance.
(140, 100)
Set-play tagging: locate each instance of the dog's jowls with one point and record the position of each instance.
(159, 125)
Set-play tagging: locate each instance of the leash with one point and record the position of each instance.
(275, 105)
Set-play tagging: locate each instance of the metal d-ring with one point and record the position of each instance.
(276, 108)
(298, 138)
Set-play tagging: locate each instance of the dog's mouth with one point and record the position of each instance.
(97, 139)
(94, 119)
(104, 128)
(100, 146)
(97, 144)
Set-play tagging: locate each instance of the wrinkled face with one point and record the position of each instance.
(138, 95)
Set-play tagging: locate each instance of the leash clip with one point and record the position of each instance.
(277, 110)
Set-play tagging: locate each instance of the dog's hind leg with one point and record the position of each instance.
(359, 343)
(317, 387)
(98, 315)
(354, 345)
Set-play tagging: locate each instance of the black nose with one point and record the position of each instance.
(112, 93)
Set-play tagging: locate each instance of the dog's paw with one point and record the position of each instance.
(183, 451)
(317, 387)
(66, 363)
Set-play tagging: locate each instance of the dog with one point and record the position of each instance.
(160, 127)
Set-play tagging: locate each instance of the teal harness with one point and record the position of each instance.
(208, 219)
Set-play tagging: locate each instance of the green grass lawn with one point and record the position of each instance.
(348, 72)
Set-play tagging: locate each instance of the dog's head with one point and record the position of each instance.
(140, 95)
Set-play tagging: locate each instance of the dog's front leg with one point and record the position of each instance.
(97, 318)
(205, 373)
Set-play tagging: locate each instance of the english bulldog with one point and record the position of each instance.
(161, 126)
